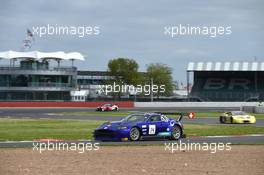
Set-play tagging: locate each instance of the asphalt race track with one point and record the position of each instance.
(54, 113)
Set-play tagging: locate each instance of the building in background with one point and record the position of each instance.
(34, 79)
(90, 82)
(226, 81)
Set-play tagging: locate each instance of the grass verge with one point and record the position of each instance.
(30, 129)
(123, 114)
(216, 130)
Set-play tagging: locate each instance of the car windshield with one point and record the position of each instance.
(107, 105)
(239, 113)
(134, 118)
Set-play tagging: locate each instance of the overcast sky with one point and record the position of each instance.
(135, 29)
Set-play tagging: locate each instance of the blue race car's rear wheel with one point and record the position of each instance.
(134, 134)
(176, 132)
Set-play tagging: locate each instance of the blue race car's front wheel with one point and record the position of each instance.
(134, 134)
(176, 132)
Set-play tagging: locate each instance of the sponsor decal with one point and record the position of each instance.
(152, 129)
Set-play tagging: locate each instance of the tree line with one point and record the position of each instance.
(126, 71)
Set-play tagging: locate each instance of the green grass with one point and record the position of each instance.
(30, 129)
(123, 114)
(214, 130)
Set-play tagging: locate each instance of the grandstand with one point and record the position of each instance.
(34, 79)
(226, 81)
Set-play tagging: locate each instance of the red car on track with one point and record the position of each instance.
(107, 107)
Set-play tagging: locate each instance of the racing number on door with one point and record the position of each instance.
(152, 129)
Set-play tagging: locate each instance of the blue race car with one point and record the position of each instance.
(138, 126)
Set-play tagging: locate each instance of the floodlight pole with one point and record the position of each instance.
(187, 87)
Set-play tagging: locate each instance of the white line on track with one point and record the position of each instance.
(225, 136)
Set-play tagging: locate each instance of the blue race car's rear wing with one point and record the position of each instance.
(190, 115)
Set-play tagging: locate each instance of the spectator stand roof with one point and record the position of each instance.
(36, 55)
(225, 66)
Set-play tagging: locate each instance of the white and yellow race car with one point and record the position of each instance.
(237, 117)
